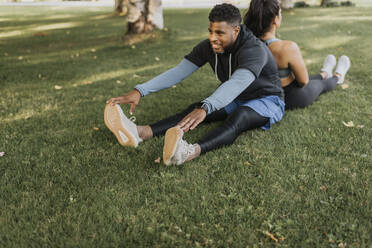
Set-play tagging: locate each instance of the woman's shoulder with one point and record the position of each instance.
(289, 46)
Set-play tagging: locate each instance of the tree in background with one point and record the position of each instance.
(286, 4)
(143, 15)
(324, 2)
(121, 7)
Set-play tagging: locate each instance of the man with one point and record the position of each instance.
(250, 95)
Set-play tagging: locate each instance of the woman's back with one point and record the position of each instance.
(280, 50)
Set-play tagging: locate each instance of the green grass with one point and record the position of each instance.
(64, 184)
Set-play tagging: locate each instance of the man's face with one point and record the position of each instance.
(222, 35)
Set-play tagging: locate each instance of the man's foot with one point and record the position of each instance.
(123, 128)
(343, 66)
(328, 65)
(176, 151)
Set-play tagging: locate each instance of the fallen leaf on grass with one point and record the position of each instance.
(174, 86)
(349, 124)
(95, 57)
(329, 113)
(67, 32)
(157, 161)
(135, 76)
(157, 59)
(360, 126)
(20, 58)
(57, 87)
(2, 154)
(344, 86)
(323, 188)
(339, 49)
(6, 54)
(271, 236)
(75, 85)
(342, 245)
(39, 75)
(95, 128)
(133, 46)
(93, 50)
(87, 82)
(118, 81)
(247, 163)
(165, 29)
(40, 34)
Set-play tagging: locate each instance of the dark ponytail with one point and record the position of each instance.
(260, 15)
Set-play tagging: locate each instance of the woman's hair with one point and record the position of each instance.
(260, 15)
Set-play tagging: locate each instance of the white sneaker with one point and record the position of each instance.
(328, 65)
(123, 128)
(176, 150)
(342, 67)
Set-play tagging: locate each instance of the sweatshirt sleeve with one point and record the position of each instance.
(167, 79)
(228, 91)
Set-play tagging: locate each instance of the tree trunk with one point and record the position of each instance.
(323, 3)
(286, 4)
(144, 16)
(121, 7)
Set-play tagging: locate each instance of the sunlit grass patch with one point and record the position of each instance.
(65, 180)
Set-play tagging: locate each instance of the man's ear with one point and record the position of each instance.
(236, 30)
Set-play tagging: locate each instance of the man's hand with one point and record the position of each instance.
(131, 98)
(192, 120)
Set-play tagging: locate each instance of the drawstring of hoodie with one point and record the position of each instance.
(216, 63)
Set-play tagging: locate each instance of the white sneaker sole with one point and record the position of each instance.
(172, 137)
(115, 121)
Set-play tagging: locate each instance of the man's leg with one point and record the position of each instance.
(240, 120)
(160, 127)
(177, 151)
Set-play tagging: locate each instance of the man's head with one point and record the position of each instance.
(224, 26)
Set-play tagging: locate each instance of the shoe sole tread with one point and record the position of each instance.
(114, 123)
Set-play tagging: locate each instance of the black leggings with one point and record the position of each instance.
(241, 119)
(300, 97)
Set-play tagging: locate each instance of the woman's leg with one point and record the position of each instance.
(300, 97)
(241, 119)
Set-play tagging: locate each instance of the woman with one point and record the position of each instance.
(263, 19)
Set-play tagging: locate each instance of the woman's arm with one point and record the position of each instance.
(296, 63)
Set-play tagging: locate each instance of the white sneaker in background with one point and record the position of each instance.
(328, 65)
(342, 67)
(176, 151)
(123, 128)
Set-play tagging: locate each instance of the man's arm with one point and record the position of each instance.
(228, 91)
(167, 79)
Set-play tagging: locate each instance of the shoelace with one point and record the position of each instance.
(190, 149)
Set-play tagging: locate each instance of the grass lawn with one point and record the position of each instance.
(66, 182)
